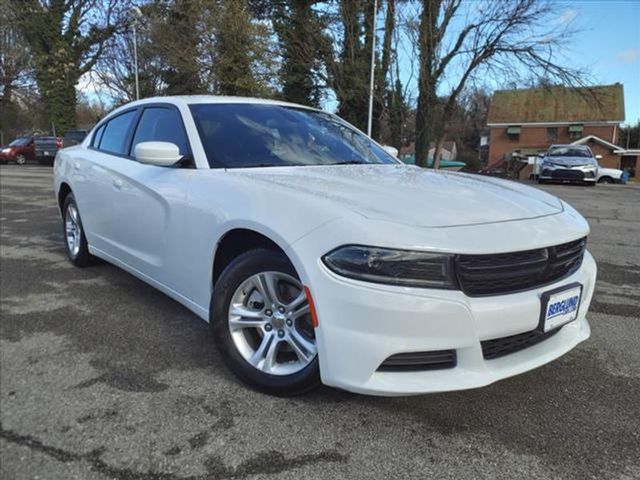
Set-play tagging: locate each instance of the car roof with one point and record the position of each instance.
(185, 100)
(569, 145)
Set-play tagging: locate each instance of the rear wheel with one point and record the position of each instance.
(75, 240)
(262, 324)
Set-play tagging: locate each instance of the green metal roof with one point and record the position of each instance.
(558, 104)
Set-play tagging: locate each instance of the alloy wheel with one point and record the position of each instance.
(21, 160)
(270, 323)
(73, 229)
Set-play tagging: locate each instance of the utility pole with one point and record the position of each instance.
(373, 67)
(136, 14)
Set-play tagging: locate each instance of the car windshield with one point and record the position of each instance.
(19, 142)
(569, 152)
(258, 135)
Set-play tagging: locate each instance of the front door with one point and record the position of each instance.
(148, 201)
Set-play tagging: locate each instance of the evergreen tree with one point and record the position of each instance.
(65, 40)
(299, 30)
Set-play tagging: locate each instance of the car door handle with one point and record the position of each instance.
(117, 183)
(76, 165)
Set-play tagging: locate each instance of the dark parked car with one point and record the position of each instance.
(46, 149)
(19, 151)
(73, 137)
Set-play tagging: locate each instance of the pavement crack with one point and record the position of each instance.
(269, 463)
(265, 462)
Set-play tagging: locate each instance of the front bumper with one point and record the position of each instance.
(568, 174)
(361, 325)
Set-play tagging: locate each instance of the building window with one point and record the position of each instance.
(513, 133)
(575, 132)
(552, 134)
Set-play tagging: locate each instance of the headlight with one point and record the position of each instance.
(393, 267)
(6, 150)
(550, 164)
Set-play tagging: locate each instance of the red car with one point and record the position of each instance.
(23, 149)
(19, 151)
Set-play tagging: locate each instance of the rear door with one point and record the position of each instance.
(95, 173)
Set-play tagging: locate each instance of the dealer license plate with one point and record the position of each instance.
(560, 306)
(46, 154)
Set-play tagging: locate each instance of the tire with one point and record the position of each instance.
(541, 182)
(285, 368)
(21, 159)
(77, 249)
(606, 180)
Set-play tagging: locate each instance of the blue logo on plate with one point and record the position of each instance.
(562, 307)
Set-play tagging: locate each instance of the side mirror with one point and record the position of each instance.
(598, 157)
(393, 151)
(162, 154)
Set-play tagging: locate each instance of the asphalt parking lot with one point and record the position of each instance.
(104, 377)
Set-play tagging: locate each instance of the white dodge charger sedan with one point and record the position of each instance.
(317, 257)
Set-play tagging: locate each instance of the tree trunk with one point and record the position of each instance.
(427, 99)
(351, 74)
(437, 154)
(383, 70)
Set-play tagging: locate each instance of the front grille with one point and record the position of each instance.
(499, 347)
(416, 361)
(566, 174)
(496, 274)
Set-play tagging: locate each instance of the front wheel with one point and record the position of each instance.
(262, 324)
(606, 180)
(21, 159)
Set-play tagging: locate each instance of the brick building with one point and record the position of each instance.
(525, 122)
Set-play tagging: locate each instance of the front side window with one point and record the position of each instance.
(116, 133)
(257, 135)
(161, 124)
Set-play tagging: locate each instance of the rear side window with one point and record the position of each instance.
(116, 133)
(160, 124)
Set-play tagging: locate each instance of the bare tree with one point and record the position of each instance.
(114, 73)
(506, 38)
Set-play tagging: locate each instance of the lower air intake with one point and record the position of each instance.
(417, 361)
(499, 347)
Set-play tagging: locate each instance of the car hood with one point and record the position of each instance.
(410, 195)
(570, 161)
